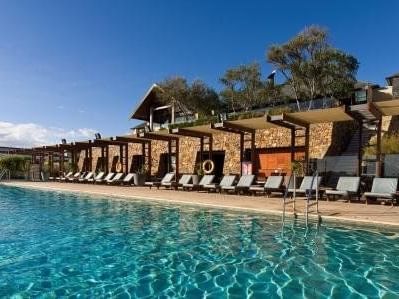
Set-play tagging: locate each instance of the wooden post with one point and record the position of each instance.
(149, 157)
(201, 151)
(127, 158)
(121, 156)
(210, 146)
(359, 150)
(378, 164)
(169, 155)
(292, 145)
(307, 137)
(177, 158)
(107, 158)
(253, 154)
(90, 157)
(241, 151)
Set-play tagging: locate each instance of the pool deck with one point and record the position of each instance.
(374, 214)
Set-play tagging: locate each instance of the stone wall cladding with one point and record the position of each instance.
(326, 138)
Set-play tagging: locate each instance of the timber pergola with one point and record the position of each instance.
(145, 147)
(301, 121)
(246, 129)
(204, 133)
(173, 145)
(47, 150)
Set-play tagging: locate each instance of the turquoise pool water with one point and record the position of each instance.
(65, 245)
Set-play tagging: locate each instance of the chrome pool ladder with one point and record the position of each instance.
(310, 202)
(286, 201)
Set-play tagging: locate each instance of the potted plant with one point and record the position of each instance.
(140, 175)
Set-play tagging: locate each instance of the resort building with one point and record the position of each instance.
(330, 136)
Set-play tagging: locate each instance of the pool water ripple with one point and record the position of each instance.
(65, 245)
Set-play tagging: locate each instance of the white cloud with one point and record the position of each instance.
(30, 134)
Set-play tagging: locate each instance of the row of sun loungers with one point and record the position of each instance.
(101, 178)
(347, 187)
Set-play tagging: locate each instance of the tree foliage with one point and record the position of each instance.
(15, 164)
(244, 88)
(312, 67)
(189, 98)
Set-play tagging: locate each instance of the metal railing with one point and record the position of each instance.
(309, 198)
(5, 173)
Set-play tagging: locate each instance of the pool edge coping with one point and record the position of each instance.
(333, 219)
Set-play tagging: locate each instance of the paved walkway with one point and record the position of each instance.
(329, 211)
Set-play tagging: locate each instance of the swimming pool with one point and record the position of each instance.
(60, 244)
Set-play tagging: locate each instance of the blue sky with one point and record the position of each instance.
(74, 67)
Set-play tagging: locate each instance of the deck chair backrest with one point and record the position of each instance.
(246, 180)
(307, 181)
(185, 179)
(128, 177)
(227, 181)
(109, 176)
(168, 177)
(206, 179)
(76, 175)
(384, 185)
(69, 174)
(274, 182)
(89, 175)
(348, 183)
(99, 176)
(118, 176)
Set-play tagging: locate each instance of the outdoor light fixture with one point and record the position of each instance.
(97, 136)
(63, 141)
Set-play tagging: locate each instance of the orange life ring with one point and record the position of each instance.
(208, 166)
(118, 167)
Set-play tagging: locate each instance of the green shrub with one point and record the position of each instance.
(17, 165)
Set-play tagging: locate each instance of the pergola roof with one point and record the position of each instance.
(256, 123)
(390, 107)
(320, 115)
(203, 129)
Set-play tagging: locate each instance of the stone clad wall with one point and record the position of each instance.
(324, 138)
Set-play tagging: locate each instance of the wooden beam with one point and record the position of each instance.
(189, 133)
(237, 127)
(149, 135)
(374, 110)
(241, 151)
(131, 139)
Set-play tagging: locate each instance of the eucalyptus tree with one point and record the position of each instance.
(188, 98)
(244, 88)
(313, 68)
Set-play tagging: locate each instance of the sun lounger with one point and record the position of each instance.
(168, 178)
(88, 176)
(107, 178)
(117, 179)
(127, 179)
(383, 188)
(99, 176)
(347, 187)
(65, 178)
(273, 184)
(61, 177)
(306, 186)
(243, 184)
(227, 180)
(205, 180)
(185, 179)
(75, 177)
